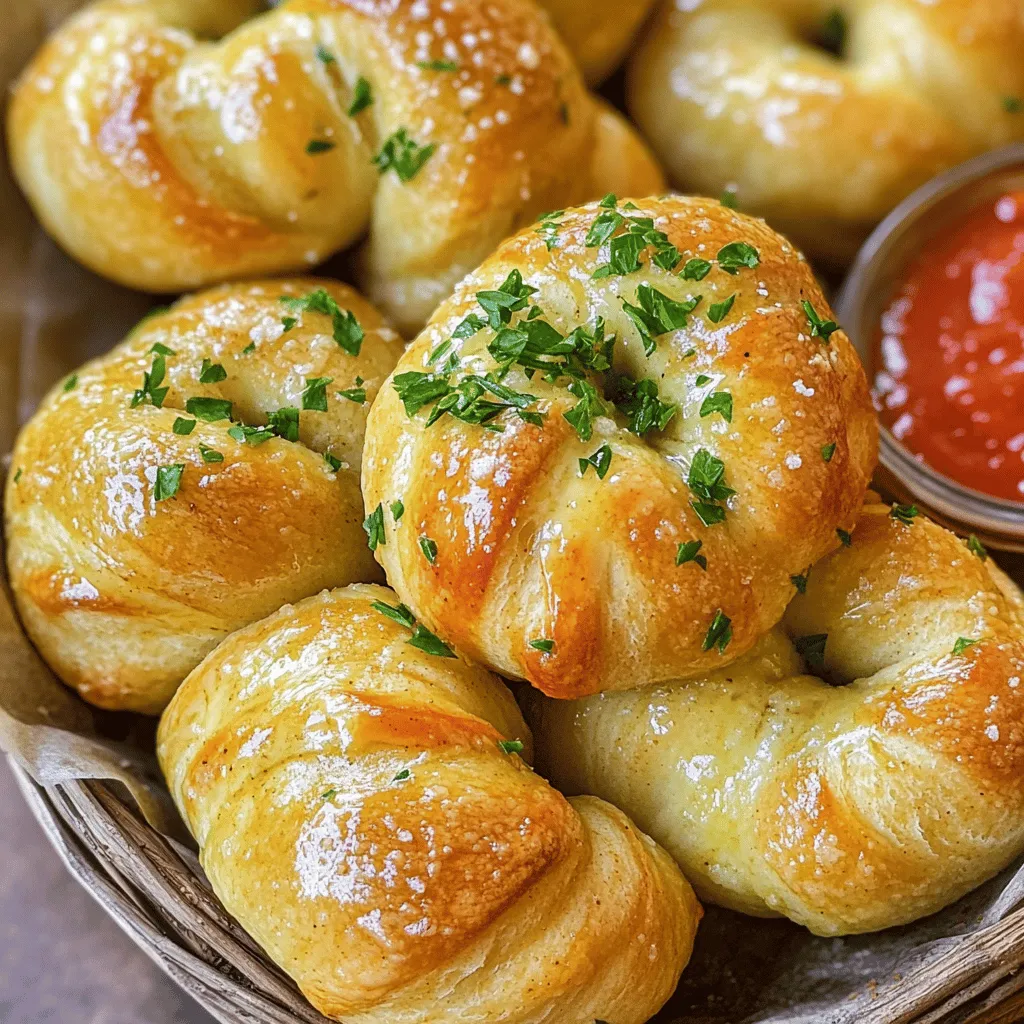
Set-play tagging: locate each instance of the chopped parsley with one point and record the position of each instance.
(183, 427)
(168, 480)
(719, 633)
(285, 422)
(906, 514)
(250, 348)
(333, 462)
(329, 794)
(373, 524)
(429, 549)
(544, 646)
(728, 198)
(690, 552)
(210, 410)
(210, 454)
(718, 311)
(695, 270)
(549, 224)
(70, 383)
(157, 348)
(720, 402)
(347, 331)
(17, 475)
(511, 746)
(828, 451)
(600, 460)
(736, 255)
(624, 250)
(437, 65)
(845, 538)
(812, 648)
(212, 373)
(638, 401)
(1012, 104)
(589, 406)
(819, 328)
(355, 394)
(976, 547)
(362, 97)
(402, 775)
(657, 314)
(962, 643)
(324, 55)
(511, 296)
(705, 481)
(422, 639)
(403, 154)
(314, 394)
(397, 510)
(317, 146)
(251, 436)
(800, 582)
(287, 323)
(465, 401)
(151, 381)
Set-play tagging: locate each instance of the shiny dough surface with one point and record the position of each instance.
(740, 93)
(533, 546)
(169, 163)
(355, 812)
(847, 808)
(124, 594)
(598, 32)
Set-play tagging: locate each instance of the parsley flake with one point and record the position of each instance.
(373, 524)
(705, 481)
(402, 154)
(600, 460)
(183, 427)
(800, 582)
(976, 547)
(362, 97)
(333, 462)
(151, 381)
(544, 646)
(719, 633)
(168, 480)
(210, 454)
(212, 373)
(70, 383)
(812, 648)
(657, 314)
(429, 549)
(402, 775)
(397, 510)
(251, 436)
(695, 270)
(689, 552)
(314, 394)
(437, 65)
(324, 55)
(285, 423)
(718, 311)
(316, 146)
(347, 331)
(906, 514)
(736, 255)
(828, 451)
(845, 538)
(209, 410)
(728, 198)
(819, 328)
(720, 402)
(962, 643)
(511, 746)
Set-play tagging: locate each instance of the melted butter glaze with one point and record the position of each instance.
(950, 352)
(355, 813)
(167, 164)
(742, 95)
(122, 594)
(846, 808)
(529, 548)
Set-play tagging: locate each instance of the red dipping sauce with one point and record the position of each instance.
(950, 352)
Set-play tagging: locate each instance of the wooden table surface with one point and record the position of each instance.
(62, 959)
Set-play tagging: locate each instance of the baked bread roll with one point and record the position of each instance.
(598, 32)
(615, 453)
(862, 767)
(744, 94)
(360, 809)
(435, 127)
(143, 525)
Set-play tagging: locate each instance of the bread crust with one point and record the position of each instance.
(355, 812)
(167, 163)
(530, 547)
(855, 794)
(124, 594)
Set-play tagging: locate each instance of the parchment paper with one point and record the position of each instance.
(53, 316)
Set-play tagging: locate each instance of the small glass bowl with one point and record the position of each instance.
(875, 275)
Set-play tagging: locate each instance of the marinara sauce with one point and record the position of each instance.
(950, 352)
